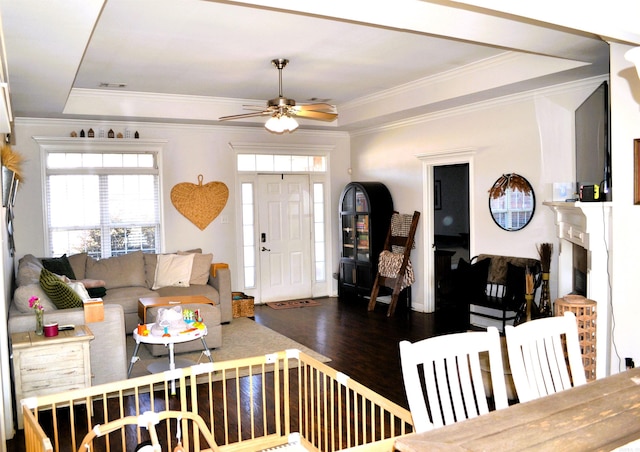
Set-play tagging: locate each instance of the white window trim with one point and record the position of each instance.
(65, 144)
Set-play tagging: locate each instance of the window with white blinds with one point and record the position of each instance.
(102, 203)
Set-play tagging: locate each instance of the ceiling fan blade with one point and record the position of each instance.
(256, 108)
(245, 115)
(316, 107)
(322, 116)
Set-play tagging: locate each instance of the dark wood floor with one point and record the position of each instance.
(361, 344)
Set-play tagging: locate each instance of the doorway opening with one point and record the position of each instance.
(434, 200)
(451, 230)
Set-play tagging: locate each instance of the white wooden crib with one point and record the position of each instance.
(284, 400)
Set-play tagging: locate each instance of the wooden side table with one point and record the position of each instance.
(48, 365)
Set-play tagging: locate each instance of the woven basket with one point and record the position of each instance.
(241, 305)
(585, 312)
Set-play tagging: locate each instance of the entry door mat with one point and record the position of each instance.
(292, 304)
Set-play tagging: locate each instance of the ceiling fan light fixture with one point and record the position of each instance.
(281, 124)
(282, 110)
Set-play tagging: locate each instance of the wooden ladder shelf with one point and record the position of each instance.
(395, 283)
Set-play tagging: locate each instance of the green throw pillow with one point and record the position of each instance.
(59, 266)
(61, 294)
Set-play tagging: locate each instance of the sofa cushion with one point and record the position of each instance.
(29, 268)
(78, 264)
(201, 267)
(59, 266)
(499, 267)
(59, 292)
(128, 297)
(173, 270)
(126, 270)
(22, 294)
(150, 262)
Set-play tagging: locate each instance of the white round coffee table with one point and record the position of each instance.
(190, 334)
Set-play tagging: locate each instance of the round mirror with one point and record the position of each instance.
(512, 202)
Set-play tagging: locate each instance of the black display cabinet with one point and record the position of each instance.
(365, 216)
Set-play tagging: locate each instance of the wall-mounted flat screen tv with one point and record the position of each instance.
(593, 153)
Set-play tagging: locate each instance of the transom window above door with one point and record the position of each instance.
(282, 163)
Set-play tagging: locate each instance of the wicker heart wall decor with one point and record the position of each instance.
(200, 204)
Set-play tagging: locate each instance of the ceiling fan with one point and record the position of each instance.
(282, 110)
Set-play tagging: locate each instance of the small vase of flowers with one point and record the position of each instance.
(34, 303)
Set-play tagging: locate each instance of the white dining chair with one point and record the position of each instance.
(537, 358)
(443, 378)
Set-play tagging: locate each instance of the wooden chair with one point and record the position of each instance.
(397, 272)
(536, 351)
(447, 370)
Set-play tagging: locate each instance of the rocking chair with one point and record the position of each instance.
(394, 267)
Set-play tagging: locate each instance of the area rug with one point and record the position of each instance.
(242, 338)
(292, 304)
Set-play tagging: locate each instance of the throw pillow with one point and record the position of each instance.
(23, 293)
(59, 266)
(514, 293)
(471, 279)
(201, 267)
(29, 268)
(60, 293)
(95, 287)
(79, 289)
(96, 292)
(93, 283)
(173, 270)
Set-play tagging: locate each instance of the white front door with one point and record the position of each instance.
(284, 228)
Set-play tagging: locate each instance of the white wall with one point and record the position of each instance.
(625, 118)
(190, 151)
(529, 134)
(6, 267)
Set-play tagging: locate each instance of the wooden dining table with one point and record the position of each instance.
(601, 415)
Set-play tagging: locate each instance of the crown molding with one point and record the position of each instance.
(483, 105)
(145, 126)
(477, 80)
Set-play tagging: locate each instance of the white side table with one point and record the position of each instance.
(48, 365)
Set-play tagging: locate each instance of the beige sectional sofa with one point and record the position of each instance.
(127, 278)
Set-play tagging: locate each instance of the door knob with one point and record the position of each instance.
(265, 249)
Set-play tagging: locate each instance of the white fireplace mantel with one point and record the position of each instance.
(588, 224)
